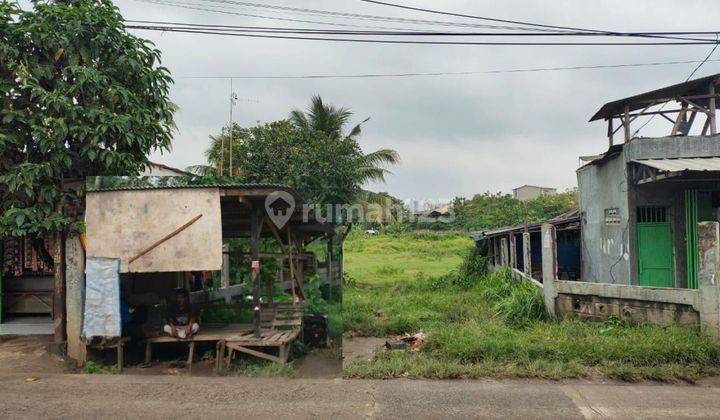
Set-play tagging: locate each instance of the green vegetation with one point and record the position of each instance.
(80, 96)
(312, 151)
(263, 369)
(486, 324)
(92, 367)
(488, 211)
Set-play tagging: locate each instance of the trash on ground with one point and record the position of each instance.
(412, 342)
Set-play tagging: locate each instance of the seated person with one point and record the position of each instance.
(181, 317)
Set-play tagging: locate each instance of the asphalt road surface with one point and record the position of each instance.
(179, 397)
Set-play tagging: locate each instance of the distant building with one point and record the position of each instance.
(157, 169)
(531, 192)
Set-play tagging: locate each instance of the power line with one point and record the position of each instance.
(701, 63)
(388, 41)
(509, 21)
(270, 29)
(460, 73)
(354, 16)
(195, 6)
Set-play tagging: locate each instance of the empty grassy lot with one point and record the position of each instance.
(483, 324)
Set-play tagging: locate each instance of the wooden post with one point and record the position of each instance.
(255, 264)
(626, 123)
(504, 252)
(225, 271)
(300, 269)
(59, 288)
(513, 251)
(292, 266)
(527, 254)
(328, 259)
(611, 132)
(712, 106)
(549, 266)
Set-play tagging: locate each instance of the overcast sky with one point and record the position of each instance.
(457, 135)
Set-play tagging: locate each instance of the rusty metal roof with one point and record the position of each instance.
(693, 87)
(570, 219)
(123, 183)
(684, 164)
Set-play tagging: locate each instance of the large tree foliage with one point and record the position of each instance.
(311, 152)
(79, 96)
(488, 211)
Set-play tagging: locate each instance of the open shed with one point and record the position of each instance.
(162, 229)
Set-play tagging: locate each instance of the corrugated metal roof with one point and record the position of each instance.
(565, 218)
(683, 164)
(123, 183)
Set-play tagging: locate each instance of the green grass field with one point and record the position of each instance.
(482, 324)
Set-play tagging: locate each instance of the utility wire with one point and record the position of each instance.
(195, 6)
(701, 63)
(459, 73)
(270, 29)
(387, 41)
(355, 16)
(508, 21)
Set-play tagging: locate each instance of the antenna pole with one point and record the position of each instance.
(232, 128)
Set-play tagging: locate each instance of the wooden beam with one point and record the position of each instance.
(713, 113)
(610, 132)
(694, 105)
(626, 122)
(165, 238)
(252, 352)
(255, 229)
(680, 118)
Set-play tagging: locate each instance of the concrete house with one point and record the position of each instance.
(641, 200)
(647, 231)
(531, 192)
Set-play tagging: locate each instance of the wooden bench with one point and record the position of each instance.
(280, 325)
(207, 333)
(116, 343)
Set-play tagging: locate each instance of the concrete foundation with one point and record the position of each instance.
(662, 306)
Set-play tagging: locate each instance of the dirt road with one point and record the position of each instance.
(126, 396)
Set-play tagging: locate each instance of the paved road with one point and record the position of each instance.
(127, 396)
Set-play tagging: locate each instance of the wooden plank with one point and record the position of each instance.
(252, 352)
(165, 238)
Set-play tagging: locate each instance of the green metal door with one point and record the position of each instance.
(656, 259)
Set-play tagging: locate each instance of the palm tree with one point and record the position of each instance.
(330, 120)
(214, 158)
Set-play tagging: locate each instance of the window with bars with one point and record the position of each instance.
(651, 215)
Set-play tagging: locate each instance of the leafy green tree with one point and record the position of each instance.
(79, 96)
(331, 121)
(311, 151)
(489, 211)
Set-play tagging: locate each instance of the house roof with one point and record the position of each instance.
(569, 220)
(690, 88)
(534, 186)
(170, 168)
(684, 164)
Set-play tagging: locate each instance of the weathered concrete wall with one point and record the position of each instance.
(74, 293)
(120, 224)
(672, 147)
(605, 256)
(657, 305)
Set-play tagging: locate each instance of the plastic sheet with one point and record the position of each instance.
(102, 298)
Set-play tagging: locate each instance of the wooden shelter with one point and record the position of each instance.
(156, 225)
